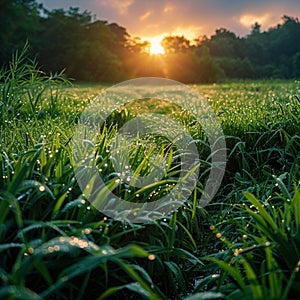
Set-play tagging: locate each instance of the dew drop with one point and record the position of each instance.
(151, 257)
(42, 188)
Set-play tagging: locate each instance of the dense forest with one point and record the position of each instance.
(95, 50)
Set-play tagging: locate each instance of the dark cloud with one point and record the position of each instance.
(190, 17)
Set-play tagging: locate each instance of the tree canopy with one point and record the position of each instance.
(95, 50)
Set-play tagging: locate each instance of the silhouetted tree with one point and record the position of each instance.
(256, 28)
(174, 44)
(95, 50)
(296, 65)
(208, 69)
(19, 21)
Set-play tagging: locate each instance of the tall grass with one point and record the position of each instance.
(55, 244)
(25, 87)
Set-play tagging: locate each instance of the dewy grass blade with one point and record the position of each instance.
(256, 289)
(265, 216)
(9, 201)
(47, 206)
(296, 208)
(232, 271)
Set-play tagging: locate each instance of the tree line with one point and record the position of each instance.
(95, 50)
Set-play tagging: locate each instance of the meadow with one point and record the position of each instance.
(54, 245)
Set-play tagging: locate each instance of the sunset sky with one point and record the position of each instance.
(191, 18)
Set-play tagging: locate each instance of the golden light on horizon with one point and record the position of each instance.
(156, 47)
(248, 20)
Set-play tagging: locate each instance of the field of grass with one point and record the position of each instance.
(245, 244)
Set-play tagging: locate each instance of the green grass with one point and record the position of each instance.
(54, 244)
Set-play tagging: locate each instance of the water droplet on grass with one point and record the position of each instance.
(42, 188)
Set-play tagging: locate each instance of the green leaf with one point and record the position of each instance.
(266, 217)
(41, 267)
(18, 292)
(296, 206)
(10, 245)
(274, 275)
(205, 295)
(8, 200)
(231, 270)
(134, 286)
(252, 278)
(177, 274)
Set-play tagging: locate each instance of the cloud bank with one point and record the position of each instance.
(192, 18)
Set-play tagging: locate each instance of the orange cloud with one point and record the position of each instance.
(266, 20)
(145, 16)
(168, 8)
(120, 5)
(190, 32)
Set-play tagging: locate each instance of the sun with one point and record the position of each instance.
(156, 47)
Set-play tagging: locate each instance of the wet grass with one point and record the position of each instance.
(243, 245)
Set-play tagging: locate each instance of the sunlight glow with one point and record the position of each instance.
(248, 20)
(156, 47)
